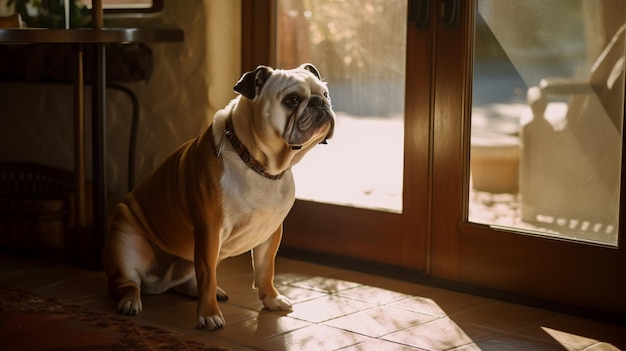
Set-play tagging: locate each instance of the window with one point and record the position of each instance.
(129, 6)
(360, 48)
(547, 118)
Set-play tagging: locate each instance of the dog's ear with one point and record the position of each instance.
(251, 82)
(309, 67)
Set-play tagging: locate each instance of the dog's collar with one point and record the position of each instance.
(246, 156)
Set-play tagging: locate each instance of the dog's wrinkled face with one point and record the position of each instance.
(292, 104)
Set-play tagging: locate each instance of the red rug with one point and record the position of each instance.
(30, 322)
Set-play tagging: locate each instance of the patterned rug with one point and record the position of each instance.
(30, 322)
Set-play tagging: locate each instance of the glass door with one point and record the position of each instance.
(546, 127)
(360, 48)
(529, 106)
(355, 195)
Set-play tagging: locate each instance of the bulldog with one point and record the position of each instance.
(219, 195)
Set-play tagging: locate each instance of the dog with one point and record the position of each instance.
(220, 195)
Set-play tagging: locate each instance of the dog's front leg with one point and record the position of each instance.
(206, 253)
(263, 257)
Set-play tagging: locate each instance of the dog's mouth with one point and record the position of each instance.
(313, 122)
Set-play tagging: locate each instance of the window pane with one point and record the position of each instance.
(359, 47)
(547, 117)
(128, 4)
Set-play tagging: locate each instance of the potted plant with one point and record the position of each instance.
(51, 13)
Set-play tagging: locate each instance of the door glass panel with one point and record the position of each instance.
(547, 117)
(359, 47)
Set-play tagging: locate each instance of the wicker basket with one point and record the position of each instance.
(34, 207)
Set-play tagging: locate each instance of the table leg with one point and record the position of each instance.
(79, 138)
(99, 147)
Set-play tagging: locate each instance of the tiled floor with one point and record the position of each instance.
(334, 309)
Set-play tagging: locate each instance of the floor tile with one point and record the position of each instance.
(213, 339)
(76, 287)
(181, 315)
(374, 295)
(288, 278)
(379, 321)
(441, 334)
(325, 284)
(286, 267)
(99, 303)
(516, 343)
(265, 325)
(327, 307)
(504, 316)
(439, 302)
(249, 299)
(298, 295)
(313, 338)
(468, 347)
(379, 345)
(602, 347)
(352, 276)
(400, 286)
(233, 314)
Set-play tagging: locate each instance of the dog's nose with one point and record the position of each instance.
(317, 101)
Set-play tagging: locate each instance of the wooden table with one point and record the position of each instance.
(96, 40)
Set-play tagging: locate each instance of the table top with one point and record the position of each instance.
(87, 35)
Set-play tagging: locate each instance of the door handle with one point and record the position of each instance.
(419, 11)
(450, 13)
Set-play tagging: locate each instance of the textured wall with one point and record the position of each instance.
(190, 81)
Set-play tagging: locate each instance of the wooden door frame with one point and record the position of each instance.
(392, 239)
(257, 17)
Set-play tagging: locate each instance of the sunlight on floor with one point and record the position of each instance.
(566, 339)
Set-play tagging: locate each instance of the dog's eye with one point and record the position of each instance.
(326, 94)
(292, 100)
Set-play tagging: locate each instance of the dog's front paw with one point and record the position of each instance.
(213, 322)
(278, 303)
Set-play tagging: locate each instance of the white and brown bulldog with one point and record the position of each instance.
(219, 195)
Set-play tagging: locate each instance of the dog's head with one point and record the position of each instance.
(291, 104)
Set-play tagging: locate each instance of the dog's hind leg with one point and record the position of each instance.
(123, 264)
(126, 256)
(222, 296)
(129, 299)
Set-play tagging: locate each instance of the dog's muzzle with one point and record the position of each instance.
(307, 120)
